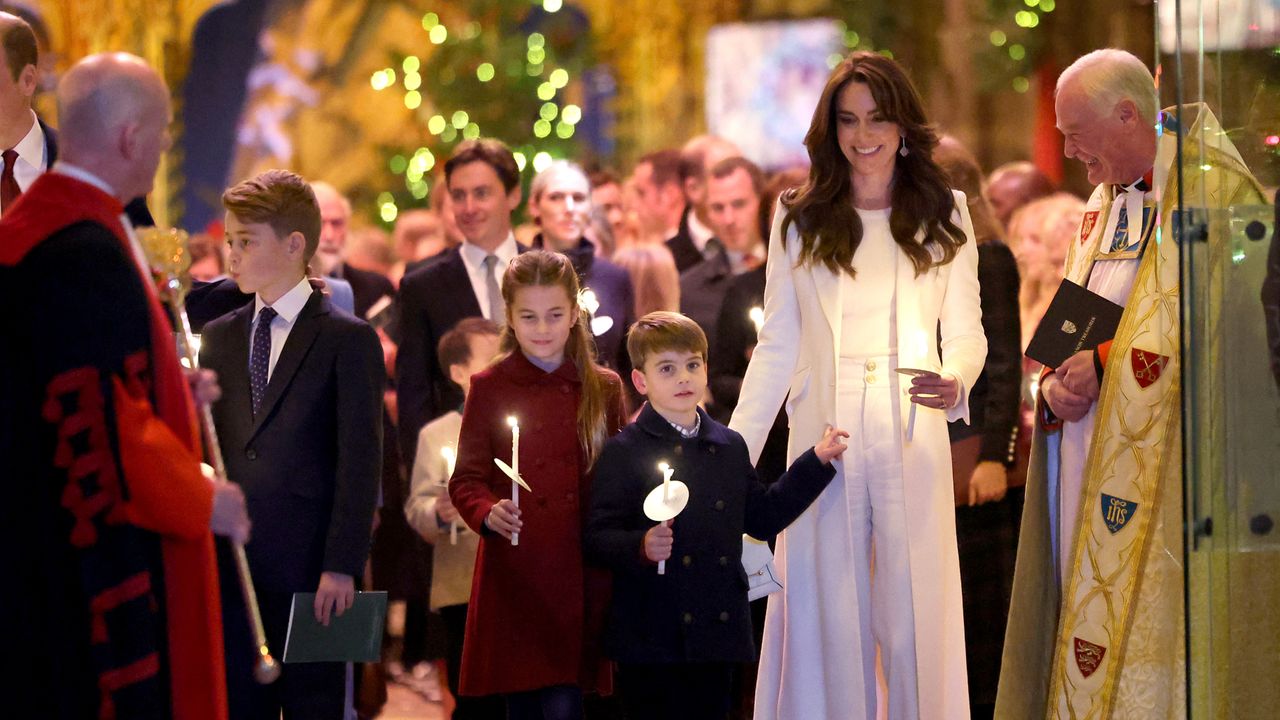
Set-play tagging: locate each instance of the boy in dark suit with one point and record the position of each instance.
(677, 636)
(300, 425)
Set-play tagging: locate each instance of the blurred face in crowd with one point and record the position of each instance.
(419, 234)
(564, 208)
(262, 262)
(334, 221)
(15, 97)
(205, 269)
(733, 209)
(656, 203)
(1039, 241)
(1103, 140)
(867, 139)
(1007, 192)
(484, 348)
(713, 151)
(609, 199)
(481, 206)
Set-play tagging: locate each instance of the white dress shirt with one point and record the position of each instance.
(32, 156)
(473, 257)
(701, 235)
(738, 260)
(287, 308)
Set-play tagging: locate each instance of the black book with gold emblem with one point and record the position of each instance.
(1077, 319)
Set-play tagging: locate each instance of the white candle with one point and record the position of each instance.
(920, 347)
(667, 472)
(450, 459)
(515, 468)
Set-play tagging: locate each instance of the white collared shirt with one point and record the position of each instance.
(701, 235)
(32, 156)
(1113, 278)
(473, 257)
(287, 308)
(687, 432)
(738, 260)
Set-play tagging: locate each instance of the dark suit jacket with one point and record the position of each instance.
(311, 460)
(136, 210)
(729, 356)
(368, 287)
(702, 291)
(207, 301)
(994, 399)
(432, 299)
(685, 253)
(698, 610)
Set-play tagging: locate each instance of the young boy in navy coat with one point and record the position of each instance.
(678, 636)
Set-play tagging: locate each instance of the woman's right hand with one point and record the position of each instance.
(504, 518)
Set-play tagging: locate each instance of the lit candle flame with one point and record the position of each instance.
(757, 318)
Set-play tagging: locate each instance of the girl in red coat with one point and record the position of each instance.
(536, 613)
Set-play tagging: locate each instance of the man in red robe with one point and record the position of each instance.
(111, 604)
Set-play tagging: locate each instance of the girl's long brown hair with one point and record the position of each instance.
(538, 268)
(822, 209)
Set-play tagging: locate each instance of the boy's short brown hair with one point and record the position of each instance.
(280, 199)
(662, 331)
(455, 345)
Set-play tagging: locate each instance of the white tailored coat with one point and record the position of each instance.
(811, 665)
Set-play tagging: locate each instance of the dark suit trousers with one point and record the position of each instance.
(305, 691)
(676, 691)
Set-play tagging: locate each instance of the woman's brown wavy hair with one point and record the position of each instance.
(539, 268)
(823, 208)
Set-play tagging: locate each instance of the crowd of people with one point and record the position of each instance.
(476, 413)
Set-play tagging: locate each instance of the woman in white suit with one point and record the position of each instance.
(871, 262)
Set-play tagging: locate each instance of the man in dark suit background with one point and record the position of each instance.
(696, 234)
(483, 182)
(660, 204)
(733, 189)
(28, 146)
(330, 259)
(671, 197)
(300, 425)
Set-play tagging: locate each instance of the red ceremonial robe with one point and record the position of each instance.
(150, 479)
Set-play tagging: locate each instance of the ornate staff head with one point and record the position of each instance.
(169, 258)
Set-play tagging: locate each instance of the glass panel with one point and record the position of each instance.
(1229, 64)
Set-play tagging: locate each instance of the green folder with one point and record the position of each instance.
(356, 636)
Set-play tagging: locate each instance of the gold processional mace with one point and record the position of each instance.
(169, 258)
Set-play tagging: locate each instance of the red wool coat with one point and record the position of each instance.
(536, 616)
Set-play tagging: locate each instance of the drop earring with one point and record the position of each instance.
(903, 151)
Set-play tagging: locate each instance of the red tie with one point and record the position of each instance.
(9, 190)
